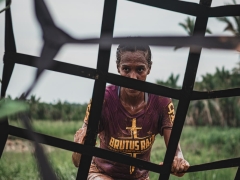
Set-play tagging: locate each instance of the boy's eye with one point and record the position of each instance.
(126, 69)
(140, 69)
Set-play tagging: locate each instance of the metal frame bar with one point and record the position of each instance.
(187, 88)
(237, 177)
(108, 20)
(101, 76)
(81, 71)
(192, 9)
(113, 156)
(9, 47)
(7, 72)
(4, 127)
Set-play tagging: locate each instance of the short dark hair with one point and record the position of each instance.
(133, 48)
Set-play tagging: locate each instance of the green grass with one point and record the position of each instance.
(60, 129)
(22, 166)
(199, 145)
(203, 145)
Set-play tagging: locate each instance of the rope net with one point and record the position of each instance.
(54, 38)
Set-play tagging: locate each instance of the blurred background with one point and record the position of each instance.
(58, 102)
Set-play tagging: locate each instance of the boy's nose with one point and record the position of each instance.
(133, 75)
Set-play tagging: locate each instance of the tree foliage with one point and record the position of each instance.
(234, 28)
(219, 112)
(58, 111)
(171, 82)
(188, 26)
(223, 111)
(9, 107)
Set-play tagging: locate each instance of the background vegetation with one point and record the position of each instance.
(59, 111)
(199, 145)
(212, 136)
(218, 112)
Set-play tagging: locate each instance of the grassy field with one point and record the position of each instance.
(199, 145)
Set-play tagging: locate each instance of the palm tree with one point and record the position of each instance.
(34, 104)
(188, 26)
(171, 81)
(234, 28)
(230, 26)
(224, 111)
(236, 70)
(34, 100)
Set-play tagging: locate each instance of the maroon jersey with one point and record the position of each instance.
(134, 135)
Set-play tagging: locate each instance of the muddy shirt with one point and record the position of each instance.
(134, 135)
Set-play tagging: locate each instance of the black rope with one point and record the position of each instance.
(237, 177)
(192, 9)
(54, 38)
(91, 73)
(9, 47)
(83, 149)
(227, 10)
(183, 7)
(7, 73)
(108, 19)
(113, 156)
(187, 88)
(198, 95)
(45, 168)
(235, 162)
(8, 4)
(48, 52)
(3, 134)
(61, 67)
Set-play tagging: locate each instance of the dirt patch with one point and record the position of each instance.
(18, 145)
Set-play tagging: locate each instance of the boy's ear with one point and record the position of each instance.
(118, 69)
(149, 71)
(149, 68)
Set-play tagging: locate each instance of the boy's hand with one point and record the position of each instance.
(179, 165)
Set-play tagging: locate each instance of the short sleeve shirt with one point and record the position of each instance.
(122, 132)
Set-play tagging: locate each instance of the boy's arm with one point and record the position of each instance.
(179, 163)
(79, 137)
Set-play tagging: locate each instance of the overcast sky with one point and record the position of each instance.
(82, 18)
